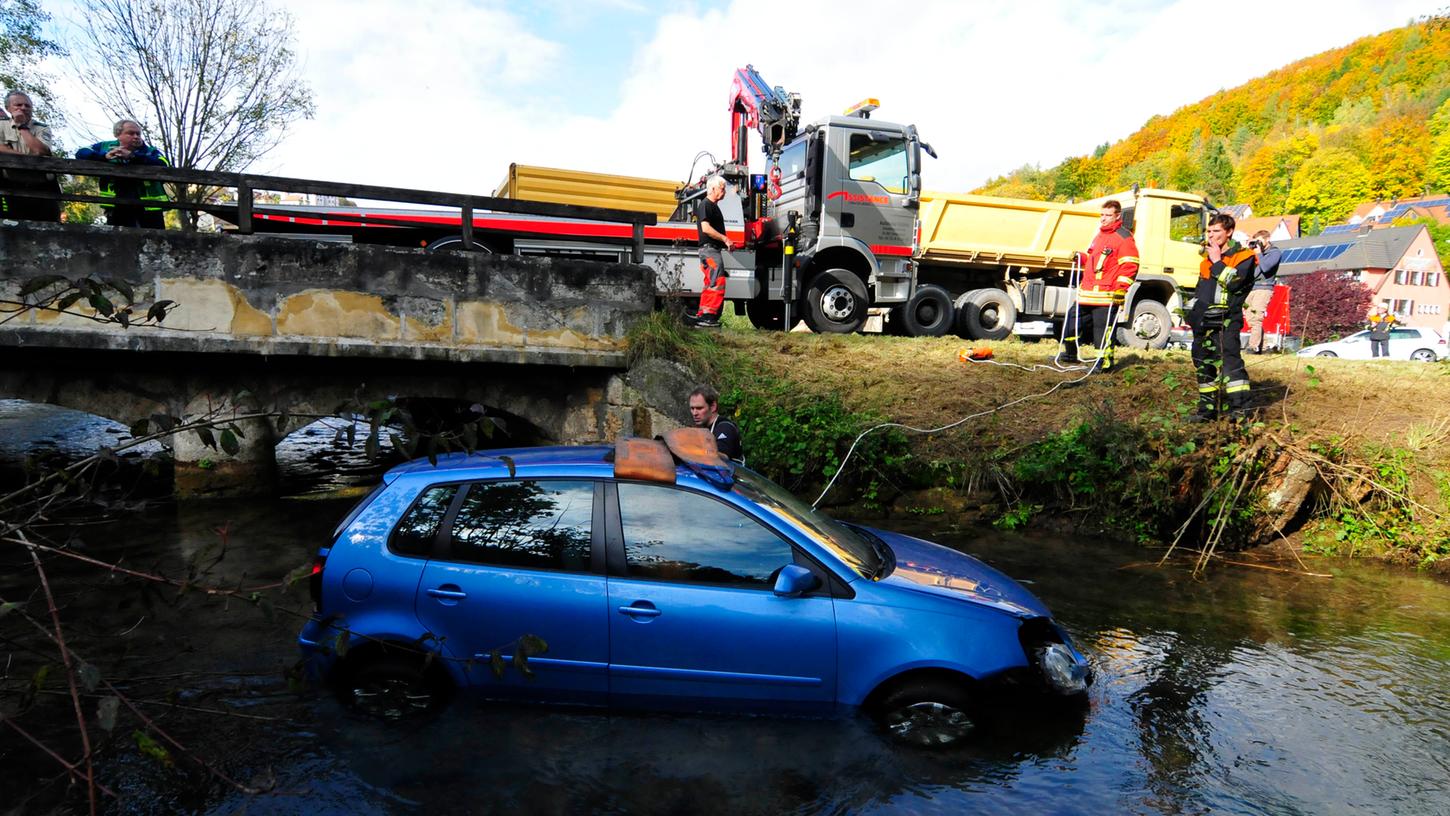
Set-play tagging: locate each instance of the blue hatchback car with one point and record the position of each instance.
(645, 575)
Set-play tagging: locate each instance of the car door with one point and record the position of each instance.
(1403, 342)
(1356, 347)
(693, 619)
(518, 558)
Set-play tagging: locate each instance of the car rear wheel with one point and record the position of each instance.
(929, 713)
(1326, 354)
(393, 689)
(1423, 355)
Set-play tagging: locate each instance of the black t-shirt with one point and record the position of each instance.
(708, 212)
(727, 438)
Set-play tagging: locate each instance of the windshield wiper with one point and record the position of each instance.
(885, 558)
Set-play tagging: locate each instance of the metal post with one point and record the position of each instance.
(465, 223)
(244, 209)
(637, 253)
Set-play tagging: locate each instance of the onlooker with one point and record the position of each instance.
(22, 135)
(129, 149)
(1257, 305)
(1381, 321)
(1107, 275)
(713, 242)
(705, 411)
(1225, 276)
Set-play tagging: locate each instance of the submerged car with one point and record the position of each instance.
(659, 575)
(1410, 343)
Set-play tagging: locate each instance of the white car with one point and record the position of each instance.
(1411, 343)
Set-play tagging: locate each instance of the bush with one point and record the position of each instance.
(1324, 305)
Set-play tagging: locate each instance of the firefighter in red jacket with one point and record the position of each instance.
(1107, 273)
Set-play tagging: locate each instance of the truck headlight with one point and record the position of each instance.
(1063, 671)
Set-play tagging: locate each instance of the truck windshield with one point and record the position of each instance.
(1186, 223)
(880, 160)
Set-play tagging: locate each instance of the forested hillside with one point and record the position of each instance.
(1370, 120)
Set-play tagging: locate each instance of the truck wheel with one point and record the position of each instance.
(1149, 327)
(765, 314)
(929, 313)
(985, 314)
(835, 302)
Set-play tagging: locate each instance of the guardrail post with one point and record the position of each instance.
(244, 208)
(465, 222)
(638, 252)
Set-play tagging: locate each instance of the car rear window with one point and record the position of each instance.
(418, 528)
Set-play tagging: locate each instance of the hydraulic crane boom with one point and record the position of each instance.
(772, 111)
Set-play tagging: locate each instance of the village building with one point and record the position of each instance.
(1397, 264)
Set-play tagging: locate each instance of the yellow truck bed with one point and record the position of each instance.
(972, 230)
(551, 184)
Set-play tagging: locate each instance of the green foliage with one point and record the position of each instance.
(799, 439)
(23, 46)
(1017, 516)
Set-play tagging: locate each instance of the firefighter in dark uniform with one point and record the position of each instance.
(1225, 276)
(1107, 274)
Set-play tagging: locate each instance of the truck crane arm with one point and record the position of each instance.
(771, 111)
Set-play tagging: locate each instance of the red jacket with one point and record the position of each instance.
(1109, 267)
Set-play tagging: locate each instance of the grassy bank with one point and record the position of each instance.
(1343, 457)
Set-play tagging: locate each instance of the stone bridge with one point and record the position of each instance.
(301, 326)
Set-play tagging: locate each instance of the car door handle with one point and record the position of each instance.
(453, 594)
(640, 611)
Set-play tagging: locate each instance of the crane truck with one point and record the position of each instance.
(839, 224)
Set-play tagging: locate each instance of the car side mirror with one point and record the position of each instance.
(795, 580)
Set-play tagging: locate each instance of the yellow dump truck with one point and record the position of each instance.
(1006, 262)
(580, 188)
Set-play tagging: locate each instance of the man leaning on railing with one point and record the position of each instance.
(21, 134)
(129, 149)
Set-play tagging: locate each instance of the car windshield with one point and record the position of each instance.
(845, 542)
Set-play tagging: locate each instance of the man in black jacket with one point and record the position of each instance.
(705, 411)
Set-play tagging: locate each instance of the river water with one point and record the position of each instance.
(1245, 691)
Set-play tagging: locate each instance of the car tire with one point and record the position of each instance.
(929, 313)
(1149, 327)
(927, 713)
(1326, 354)
(1422, 356)
(985, 314)
(393, 688)
(835, 302)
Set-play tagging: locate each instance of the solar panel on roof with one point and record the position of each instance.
(1337, 228)
(1336, 251)
(1317, 253)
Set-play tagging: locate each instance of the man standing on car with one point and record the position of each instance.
(1225, 276)
(1257, 305)
(713, 242)
(1108, 270)
(705, 411)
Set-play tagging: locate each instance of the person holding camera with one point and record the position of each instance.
(1225, 276)
(1256, 306)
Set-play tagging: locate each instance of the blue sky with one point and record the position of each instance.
(444, 94)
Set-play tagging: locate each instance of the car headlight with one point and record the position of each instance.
(1064, 673)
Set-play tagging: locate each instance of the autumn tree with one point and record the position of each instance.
(1397, 153)
(1437, 173)
(1217, 173)
(1329, 185)
(22, 47)
(213, 82)
(1324, 305)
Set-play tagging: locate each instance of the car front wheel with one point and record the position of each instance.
(927, 713)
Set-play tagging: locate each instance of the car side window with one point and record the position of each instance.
(1404, 334)
(675, 535)
(531, 524)
(418, 528)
